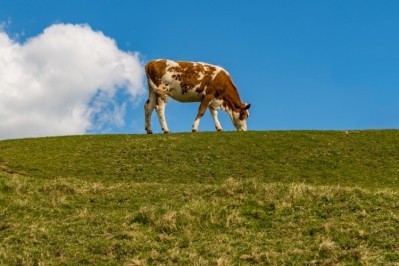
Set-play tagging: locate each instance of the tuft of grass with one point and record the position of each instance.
(253, 198)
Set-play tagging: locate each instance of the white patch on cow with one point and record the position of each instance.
(169, 80)
(241, 125)
(216, 104)
(216, 72)
(196, 124)
(200, 76)
(172, 87)
(170, 63)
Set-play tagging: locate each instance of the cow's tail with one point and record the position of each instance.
(151, 84)
(149, 73)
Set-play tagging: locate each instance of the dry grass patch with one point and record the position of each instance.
(275, 223)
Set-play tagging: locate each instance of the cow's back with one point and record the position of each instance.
(181, 80)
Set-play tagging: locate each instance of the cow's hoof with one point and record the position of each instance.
(149, 132)
(195, 130)
(166, 132)
(219, 129)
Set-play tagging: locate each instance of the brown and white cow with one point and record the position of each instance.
(193, 82)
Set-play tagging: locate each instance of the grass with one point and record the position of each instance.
(266, 198)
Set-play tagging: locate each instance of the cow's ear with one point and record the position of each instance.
(246, 107)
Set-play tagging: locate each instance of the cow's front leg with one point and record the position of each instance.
(214, 114)
(201, 110)
(160, 107)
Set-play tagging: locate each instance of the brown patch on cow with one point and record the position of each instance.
(243, 114)
(192, 75)
(155, 71)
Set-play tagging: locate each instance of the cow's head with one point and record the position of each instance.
(240, 117)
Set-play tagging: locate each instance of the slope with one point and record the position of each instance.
(313, 197)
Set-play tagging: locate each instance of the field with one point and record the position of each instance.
(222, 198)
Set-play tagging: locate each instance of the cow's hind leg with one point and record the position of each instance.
(160, 107)
(214, 114)
(148, 109)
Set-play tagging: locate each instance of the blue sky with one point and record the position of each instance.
(301, 64)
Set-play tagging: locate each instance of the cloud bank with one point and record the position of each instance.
(65, 81)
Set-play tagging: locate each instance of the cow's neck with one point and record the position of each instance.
(233, 101)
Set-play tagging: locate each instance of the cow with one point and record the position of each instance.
(183, 81)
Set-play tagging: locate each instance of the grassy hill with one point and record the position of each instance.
(302, 197)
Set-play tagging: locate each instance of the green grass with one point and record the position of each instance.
(232, 198)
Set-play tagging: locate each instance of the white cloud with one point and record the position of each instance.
(65, 81)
